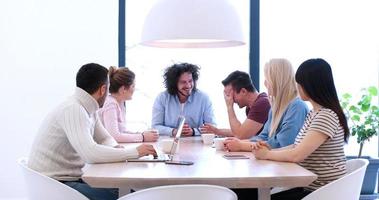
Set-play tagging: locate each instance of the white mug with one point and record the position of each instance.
(207, 138)
(219, 143)
(166, 145)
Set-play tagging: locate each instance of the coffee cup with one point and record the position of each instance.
(219, 143)
(166, 145)
(207, 138)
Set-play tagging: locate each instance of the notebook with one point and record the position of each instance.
(164, 157)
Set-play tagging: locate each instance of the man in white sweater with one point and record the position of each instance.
(73, 135)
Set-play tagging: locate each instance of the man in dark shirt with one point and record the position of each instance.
(239, 89)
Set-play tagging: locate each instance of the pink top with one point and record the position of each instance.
(112, 115)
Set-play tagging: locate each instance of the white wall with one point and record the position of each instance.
(42, 45)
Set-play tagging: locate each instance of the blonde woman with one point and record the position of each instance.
(287, 113)
(319, 146)
(285, 118)
(113, 114)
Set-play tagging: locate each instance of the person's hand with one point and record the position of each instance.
(150, 136)
(119, 146)
(208, 128)
(261, 152)
(233, 144)
(146, 149)
(259, 144)
(187, 130)
(174, 131)
(228, 96)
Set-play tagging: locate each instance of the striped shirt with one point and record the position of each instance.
(328, 161)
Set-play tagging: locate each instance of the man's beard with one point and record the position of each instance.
(101, 100)
(183, 94)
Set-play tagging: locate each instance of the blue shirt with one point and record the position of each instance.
(289, 126)
(197, 110)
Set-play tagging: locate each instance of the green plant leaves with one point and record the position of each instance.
(356, 118)
(356, 110)
(346, 96)
(363, 115)
(373, 91)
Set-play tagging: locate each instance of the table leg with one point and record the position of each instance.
(264, 194)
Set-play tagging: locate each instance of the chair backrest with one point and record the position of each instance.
(41, 187)
(348, 187)
(183, 192)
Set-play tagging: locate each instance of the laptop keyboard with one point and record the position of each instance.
(162, 157)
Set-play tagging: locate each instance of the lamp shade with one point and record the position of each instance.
(192, 24)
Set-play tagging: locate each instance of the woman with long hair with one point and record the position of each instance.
(319, 145)
(285, 118)
(112, 114)
(287, 113)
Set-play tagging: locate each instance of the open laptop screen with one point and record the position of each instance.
(165, 157)
(181, 121)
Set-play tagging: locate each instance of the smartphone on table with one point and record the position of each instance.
(176, 162)
(235, 156)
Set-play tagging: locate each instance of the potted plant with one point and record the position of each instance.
(363, 117)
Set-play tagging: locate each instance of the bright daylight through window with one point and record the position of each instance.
(148, 64)
(345, 33)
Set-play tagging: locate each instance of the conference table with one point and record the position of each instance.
(210, 167)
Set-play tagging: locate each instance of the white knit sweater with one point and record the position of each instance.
(71, 136)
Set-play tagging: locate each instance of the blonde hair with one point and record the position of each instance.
(281, 76)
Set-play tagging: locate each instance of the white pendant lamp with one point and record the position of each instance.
(192, 24)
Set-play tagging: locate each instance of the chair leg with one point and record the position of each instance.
(123, 191)
(263, 193)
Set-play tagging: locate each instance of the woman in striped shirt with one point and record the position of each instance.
(319, 145)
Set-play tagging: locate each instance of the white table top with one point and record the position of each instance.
(209, 168)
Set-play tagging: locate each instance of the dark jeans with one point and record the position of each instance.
(93, 193)
(246, 193)
(252, 194)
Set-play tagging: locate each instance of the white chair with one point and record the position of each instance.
(183, 192)
(348, 187)
(41, 187)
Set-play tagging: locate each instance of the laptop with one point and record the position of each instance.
(164, 157)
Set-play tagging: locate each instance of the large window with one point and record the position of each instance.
(345, 33)
(342, 32)
(148, 64)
